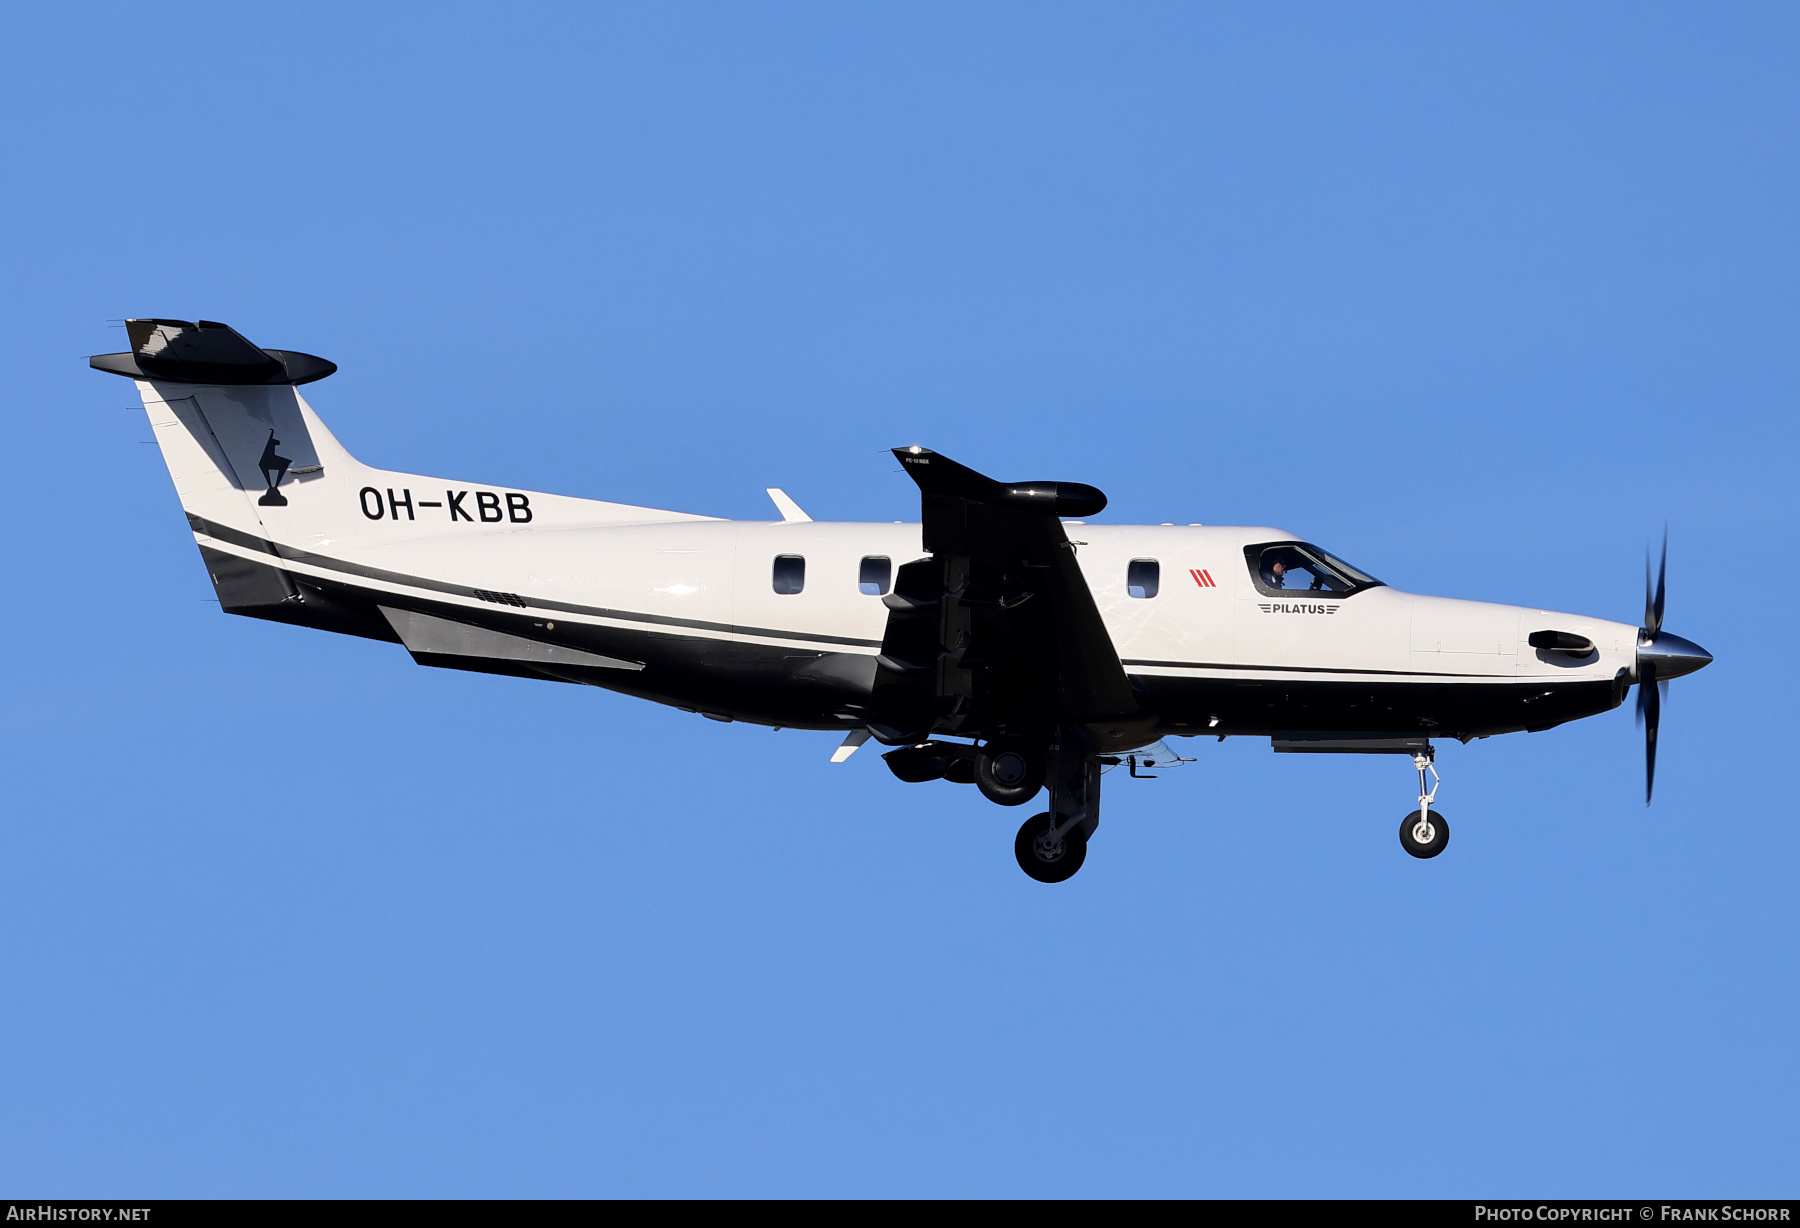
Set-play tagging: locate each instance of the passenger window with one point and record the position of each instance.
(1142, 577)
(790, 574)
(875, 576)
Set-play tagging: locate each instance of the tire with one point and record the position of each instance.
(1440, 838)
(1009, 773)
(1055, 869)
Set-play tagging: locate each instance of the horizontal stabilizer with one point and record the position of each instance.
(206, 352)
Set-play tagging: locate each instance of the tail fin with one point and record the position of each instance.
(233, 428)
(239, 440)
(266, 485)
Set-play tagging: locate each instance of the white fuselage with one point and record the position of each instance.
(620, 580)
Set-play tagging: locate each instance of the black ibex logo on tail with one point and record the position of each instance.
(274, 468)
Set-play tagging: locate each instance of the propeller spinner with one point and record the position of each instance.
(1660, 657)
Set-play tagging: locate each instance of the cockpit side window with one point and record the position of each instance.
(1297, 567)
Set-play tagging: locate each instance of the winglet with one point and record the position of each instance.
(790, 511)
(937, 474)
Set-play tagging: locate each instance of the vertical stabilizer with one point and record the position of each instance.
(281, 511)
(250, 460)
(239, 453)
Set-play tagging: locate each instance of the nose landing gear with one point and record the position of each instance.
(1422, 833)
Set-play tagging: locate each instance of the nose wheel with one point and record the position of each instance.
(1424, 833)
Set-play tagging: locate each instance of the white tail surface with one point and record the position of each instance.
(257, 459)
(279, 508)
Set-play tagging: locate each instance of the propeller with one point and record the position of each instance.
(1650, 689)
(1660, 657)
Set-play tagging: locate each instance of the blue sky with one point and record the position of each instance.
(1477, 296)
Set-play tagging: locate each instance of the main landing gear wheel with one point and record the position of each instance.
(1424, 835)
(1008, 774)
(1045, 856)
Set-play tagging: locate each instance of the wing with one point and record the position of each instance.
(996, 633)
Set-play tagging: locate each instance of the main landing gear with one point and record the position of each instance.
(1048, 851)
(1422, 833)
(1009, 773)
(1051, 846)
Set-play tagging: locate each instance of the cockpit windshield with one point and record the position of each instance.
(1296, 567)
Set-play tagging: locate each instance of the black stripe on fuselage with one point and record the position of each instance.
(1309, 669)
(764, 683)
(251, 542)
(774, 685)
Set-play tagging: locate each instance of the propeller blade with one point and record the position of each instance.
(1653, 593)
(1662, 573)
(1659, 658)
(1649, 713)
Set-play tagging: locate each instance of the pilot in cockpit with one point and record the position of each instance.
(1297, 566)
(1288, 565)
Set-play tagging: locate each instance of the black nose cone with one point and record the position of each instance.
(1671, 656)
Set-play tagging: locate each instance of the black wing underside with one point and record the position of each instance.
(996, 634)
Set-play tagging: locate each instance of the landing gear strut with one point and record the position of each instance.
(1051, 846)
(1422, 833)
